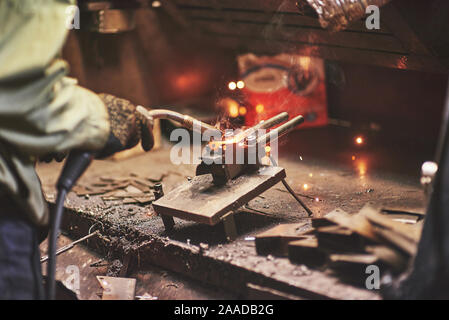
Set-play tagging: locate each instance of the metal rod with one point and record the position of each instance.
(283, 129)
(286, 185)
(71, 245)
(184, 120)
(289, 189)
(267, 124)
(281, 117)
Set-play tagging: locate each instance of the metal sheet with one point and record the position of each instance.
(202, 201)
(117, 288)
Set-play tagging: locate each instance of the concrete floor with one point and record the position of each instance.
(79, 267)
(337, 173)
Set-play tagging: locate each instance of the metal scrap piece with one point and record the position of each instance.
(275, 240)
(202, 201)
(117, 288)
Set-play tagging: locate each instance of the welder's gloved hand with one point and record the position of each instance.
(128, 127)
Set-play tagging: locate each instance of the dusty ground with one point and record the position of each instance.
(345, 177)
(160, 284)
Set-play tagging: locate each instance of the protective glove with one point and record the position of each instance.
(128, 127)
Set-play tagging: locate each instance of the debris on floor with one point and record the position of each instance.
(117, 288)
(347, 243)
(209, 255)
(132, 189)
(71, 245)
(146, 296)
(275, 241)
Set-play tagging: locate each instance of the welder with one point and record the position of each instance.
(44, 113)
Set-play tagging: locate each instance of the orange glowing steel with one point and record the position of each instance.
(260, 108)
(242, 111)
(216, 144)
(267, 150)
(353, 158)
(213, 145)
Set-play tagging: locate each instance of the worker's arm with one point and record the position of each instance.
(43, 111)
(51, 114)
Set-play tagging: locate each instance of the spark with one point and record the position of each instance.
(232, 85)
(267, 150)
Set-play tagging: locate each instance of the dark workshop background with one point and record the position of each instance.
(160, 63)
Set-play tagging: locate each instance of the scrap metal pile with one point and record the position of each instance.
(132, 189)
(347, 243)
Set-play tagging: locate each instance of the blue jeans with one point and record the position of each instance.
(20, 267)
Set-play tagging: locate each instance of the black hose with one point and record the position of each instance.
(77, 162)
(52, 242)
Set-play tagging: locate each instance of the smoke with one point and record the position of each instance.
(283, 33)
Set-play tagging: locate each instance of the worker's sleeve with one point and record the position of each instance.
(41, 110)
(32, 33)
(52, 114)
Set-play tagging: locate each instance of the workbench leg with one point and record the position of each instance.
(230, 228)
(169, 222)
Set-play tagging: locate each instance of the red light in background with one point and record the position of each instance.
(187, 82)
